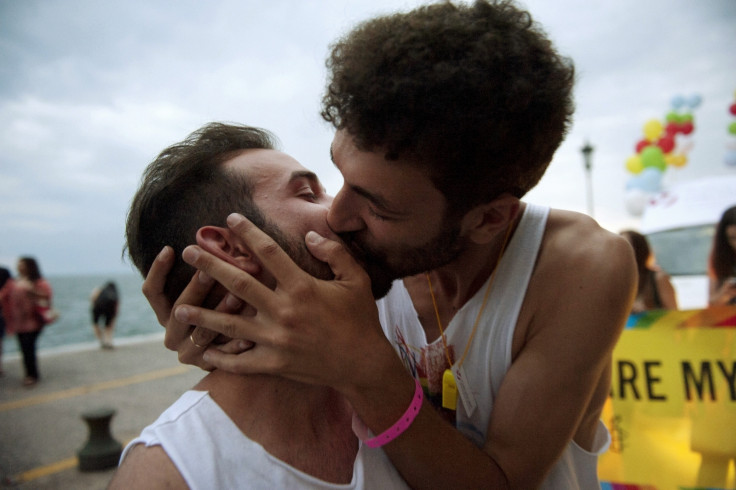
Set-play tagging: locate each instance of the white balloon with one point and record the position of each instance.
(730, 159)
(636, 200)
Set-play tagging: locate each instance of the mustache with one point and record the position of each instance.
(353, 244)
(357, 248)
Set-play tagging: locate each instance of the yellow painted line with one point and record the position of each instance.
(49, 469)
(83, 390)
(66, 464)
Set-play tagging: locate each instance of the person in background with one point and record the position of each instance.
(105, 303)
(655, 290)
(722, 261)
(5, 280)
(30, 300)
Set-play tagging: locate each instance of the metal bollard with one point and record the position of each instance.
(101, 451)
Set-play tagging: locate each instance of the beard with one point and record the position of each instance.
(386, 265)
(297, 250)
(383, 266)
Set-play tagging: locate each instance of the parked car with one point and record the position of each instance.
(679, 224)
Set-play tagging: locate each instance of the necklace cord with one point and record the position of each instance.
(480, 312)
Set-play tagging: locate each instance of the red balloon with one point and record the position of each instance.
(732, 109)
(672, 128)
(667, 143)
(641, 145)
(687, 128)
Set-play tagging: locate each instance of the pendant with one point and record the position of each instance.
(449, 390)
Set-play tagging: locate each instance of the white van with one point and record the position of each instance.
(679, 224)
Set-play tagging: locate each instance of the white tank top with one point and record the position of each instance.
(489, 354)
(210, 451)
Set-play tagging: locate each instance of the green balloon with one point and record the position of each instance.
(672, 117)
(732, 128)
(686, 118)
(652, 157)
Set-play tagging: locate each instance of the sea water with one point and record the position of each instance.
(73, 330)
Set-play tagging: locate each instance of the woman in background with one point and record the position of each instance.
(722, 263)
(30, 299)
(655, 289)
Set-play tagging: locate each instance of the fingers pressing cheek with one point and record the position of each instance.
(190, 254)
(183, 313)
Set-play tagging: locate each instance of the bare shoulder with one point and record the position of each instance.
(577, 244)
(147, 467)
(584, 278)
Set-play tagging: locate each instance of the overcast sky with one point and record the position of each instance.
(92, 90)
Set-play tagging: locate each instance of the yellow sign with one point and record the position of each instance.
(672, 409)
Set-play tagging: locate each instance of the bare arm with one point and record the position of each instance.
(147, 468)
(560, 375)
(666, 291)
(721, 295)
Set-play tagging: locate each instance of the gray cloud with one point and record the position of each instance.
(90, 91)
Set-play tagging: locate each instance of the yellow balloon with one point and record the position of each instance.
(653, 130)
(634, 165)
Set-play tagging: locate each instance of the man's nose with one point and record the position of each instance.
(344, 214)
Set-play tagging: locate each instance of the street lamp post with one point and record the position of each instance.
(587, 151)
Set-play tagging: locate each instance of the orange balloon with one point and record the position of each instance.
(678, 160)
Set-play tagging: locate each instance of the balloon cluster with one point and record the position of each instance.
(665, 144)
(731, 144)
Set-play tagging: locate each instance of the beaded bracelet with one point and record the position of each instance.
(403, 423)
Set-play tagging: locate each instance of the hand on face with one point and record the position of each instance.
(300, 322)
(190, 343)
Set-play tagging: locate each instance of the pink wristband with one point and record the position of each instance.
(403, 423)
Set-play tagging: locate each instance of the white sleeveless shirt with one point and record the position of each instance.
(211, 452)
(489, 354)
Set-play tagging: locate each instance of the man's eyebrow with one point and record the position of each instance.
(377, 200)
(305, 174)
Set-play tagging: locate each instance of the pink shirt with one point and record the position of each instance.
(20, 309)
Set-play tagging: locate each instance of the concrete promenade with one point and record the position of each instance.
(41, 428)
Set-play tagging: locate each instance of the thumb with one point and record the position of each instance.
(343, 265)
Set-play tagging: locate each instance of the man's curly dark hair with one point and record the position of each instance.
(475, 93)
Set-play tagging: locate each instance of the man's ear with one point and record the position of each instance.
(221, 243)
(483, 223)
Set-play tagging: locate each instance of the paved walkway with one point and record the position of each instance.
(41, 428)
